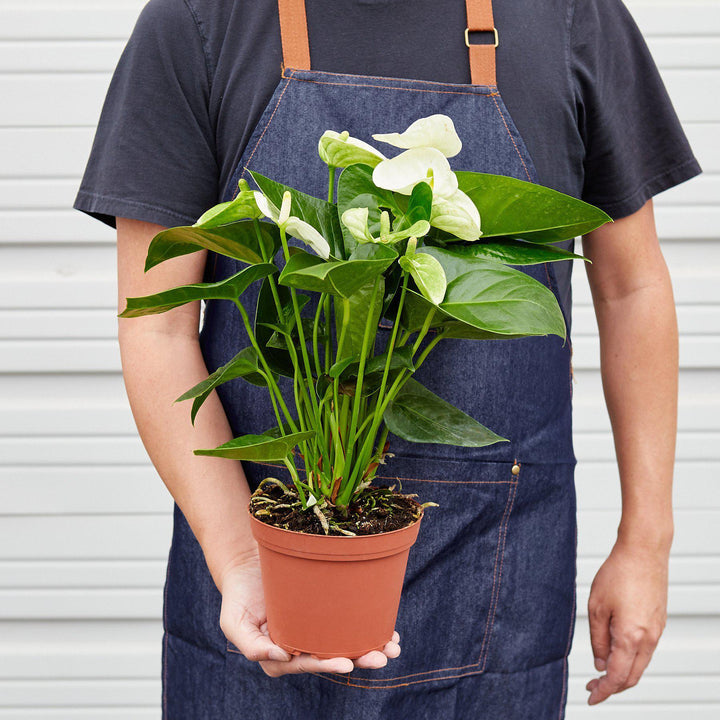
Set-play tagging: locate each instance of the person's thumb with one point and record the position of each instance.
(254, 644)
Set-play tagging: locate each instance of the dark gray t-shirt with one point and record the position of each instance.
(576, 76)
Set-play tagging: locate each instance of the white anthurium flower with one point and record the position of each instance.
(356, 221)
(341, 150)
(426, 271)
(293, 225)
(435, 131)
(407, 169)
(456, 214)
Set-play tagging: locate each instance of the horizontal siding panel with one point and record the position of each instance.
(683, 52)
(82, 491)
(73, 56)
(63, 574)
(68, 537)
(105, 693)
(42, 20)
(676, 17)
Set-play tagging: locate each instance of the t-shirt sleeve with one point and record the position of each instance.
(635, 146)
(153, 156)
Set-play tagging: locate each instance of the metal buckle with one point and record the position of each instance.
(467, 39)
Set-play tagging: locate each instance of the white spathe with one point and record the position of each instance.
(340, 150)
(456, 214)
(436, 131)
(293, 225)
(401, 173)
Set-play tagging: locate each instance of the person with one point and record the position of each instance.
(568, 96)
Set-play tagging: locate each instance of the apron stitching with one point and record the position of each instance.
(517, 150)
(388, 77)
(567, 648)
(495, 594)
(287, 85)
(385, 87)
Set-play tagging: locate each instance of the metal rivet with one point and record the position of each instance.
(516, 469)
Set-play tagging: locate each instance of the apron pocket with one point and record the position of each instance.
(455, 570)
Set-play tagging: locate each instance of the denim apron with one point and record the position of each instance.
(487, 613)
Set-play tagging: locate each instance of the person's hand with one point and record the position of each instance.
(243, 620)
(627, 610)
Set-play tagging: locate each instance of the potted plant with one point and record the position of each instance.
(397, 239)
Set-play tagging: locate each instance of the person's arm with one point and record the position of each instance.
(162, 359)
(633, 299)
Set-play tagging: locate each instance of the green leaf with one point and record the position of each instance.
(416, 309)
(428, 274)
(258, 448)
(503, 300)
(418, 415)
(245, 365)
(237, 240)
(356, 189)
(337, 277)
(321, 214)
(229, 289)
(516, 252)
(527, 210)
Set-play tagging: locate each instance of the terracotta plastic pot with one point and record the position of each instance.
(332, 595)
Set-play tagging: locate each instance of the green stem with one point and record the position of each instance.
(308, 384)
(331, 182)
(271, 380)
(357, 400)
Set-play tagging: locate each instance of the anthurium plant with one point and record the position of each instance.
(403, 238)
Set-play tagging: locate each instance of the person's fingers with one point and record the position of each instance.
(304, 663)
(599, 620)
(623, 650)
(378, 658)
(642, 660)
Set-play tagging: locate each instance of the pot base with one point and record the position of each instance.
(325, 656)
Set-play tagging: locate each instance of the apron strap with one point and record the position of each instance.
(294, 34)
(296, 48)
(482, 57)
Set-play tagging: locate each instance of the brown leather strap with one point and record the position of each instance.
(294, 34)
(482, 57)
(296, 48)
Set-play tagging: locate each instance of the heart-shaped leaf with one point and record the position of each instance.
(418, 415)
(337, 277)
(238, 240)
(527, 210)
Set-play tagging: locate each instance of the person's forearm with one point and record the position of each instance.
(211, 492)
(639, 361)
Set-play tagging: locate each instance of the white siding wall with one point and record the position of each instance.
(85, 523)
